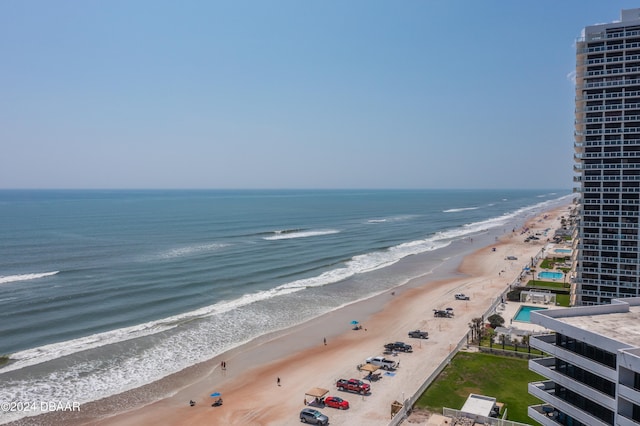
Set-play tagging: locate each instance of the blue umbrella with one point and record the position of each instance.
(354, 322)
(216, 394)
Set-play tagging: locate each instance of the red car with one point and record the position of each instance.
(335, 402)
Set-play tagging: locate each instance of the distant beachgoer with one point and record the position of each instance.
(325, 341)
(192, 403)
(278, 381)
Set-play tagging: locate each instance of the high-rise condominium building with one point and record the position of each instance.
(607, 145)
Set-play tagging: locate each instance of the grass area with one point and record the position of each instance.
(548, 284)
(504, 378)
(563, 300)
(551, 263)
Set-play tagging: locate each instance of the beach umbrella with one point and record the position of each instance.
(216, 394)
(354, 322)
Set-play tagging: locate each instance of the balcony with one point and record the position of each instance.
(544, 414)
(614, 60)
(626, 154)
(614, 95)
(614, 107)
(617, 130)
(610, 48)
(614, 71)
(546, 392)
(619, 166)
(546, 367)
(595, 120)
(611, 83)
(608, 35)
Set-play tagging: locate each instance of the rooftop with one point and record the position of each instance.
(621, 326)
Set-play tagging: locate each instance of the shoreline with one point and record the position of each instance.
(249, 381)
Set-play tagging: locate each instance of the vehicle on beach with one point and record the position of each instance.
(442, 313)
(315, 417)
(419, 334)
(335, 402)
(511, 258)
(398, 346)
(382, 362)
(353, 385)
(461, 296)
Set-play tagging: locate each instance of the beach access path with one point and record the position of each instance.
(301, 360)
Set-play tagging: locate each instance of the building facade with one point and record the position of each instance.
(607, 154)
(593, 367)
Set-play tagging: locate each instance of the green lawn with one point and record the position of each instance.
(504, 378)
(548, 284)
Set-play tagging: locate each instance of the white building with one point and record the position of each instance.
(593, 371)
(607, 154)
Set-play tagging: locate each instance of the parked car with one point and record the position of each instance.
(461, 296)
(382, 362)
(442, 313)
(335, 402)
(315, 417)
(419, 334)
(399, 347)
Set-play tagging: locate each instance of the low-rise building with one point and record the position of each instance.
(593, 367)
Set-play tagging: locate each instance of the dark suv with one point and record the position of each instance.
(309, 415)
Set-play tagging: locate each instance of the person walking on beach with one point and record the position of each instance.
(325, 341)
(278, 381)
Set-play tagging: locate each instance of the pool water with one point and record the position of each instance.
(563, 250)
(552, 275)
(524, 313)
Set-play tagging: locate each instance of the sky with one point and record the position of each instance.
(290, 94)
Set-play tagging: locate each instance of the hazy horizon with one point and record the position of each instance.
(290, 95)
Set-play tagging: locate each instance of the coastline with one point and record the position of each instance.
(299, 357)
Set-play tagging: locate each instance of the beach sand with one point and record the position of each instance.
(301, 360)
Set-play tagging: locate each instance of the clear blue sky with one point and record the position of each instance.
(290, 94)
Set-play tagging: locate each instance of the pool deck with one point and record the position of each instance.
(511, 309)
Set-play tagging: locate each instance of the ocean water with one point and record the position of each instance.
(105, 291)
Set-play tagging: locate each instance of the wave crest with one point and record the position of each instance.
(286, 235)
(25, 277)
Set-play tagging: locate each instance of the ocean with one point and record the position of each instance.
(105, 291)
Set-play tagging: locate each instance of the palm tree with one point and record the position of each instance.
(525, 341)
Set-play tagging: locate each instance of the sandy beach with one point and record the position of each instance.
(299, 359)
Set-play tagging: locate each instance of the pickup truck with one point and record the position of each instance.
(398, 346)
(353, 385)
(461, 296)
(419, 334)
(382, 362)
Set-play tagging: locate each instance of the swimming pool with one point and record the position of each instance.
(563, 250)
(552, 275)
(524, 313)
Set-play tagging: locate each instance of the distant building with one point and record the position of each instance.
(593, 368)
(607, 153)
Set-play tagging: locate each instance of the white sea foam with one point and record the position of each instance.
(460, 209)
(191, 250)
(25, 277)
(279, 235)
(399, 218)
